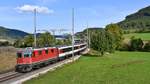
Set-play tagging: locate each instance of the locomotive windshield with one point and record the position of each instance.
(27, 52)
(26, 55)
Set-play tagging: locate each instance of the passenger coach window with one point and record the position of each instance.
(76, 47)
(40, 52)
(19, 55)
(67, 49)
(46, 51)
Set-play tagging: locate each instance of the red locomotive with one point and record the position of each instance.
(30, 58)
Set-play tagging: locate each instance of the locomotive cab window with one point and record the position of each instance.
(19, 55)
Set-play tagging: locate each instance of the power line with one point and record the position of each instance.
(87, 36)
(53, 32)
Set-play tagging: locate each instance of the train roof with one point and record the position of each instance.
(71, 46)
(32, 49)
(44, 48)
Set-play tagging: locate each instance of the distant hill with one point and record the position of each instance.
(84, 32)
(139, 20)
(11, 34)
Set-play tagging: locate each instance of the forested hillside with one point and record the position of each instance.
(137, 21)
(11, 34)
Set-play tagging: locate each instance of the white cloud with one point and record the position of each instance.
(30, 8)
(47, 1)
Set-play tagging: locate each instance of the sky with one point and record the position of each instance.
(56, 14)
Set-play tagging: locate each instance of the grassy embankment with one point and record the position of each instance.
(7, 58)
(117, 68)
(143, 36)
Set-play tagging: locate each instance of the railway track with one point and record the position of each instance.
(10, 75)
(16, 78)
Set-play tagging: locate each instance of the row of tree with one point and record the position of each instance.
(43, 40)
(4, 43)
(110, 39)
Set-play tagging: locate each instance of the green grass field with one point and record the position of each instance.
(118, 68)
(143, 36)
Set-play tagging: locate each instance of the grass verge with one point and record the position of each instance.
(117, 68)
(143, 36)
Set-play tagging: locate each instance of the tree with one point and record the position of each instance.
(19, 43)
(66, 40)
(28, 41)
(45, 39)
(4, 43)
(102, 41)
(110, 39)
(117, 32)
(59, 42)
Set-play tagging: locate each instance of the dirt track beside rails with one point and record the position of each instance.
(7, 59)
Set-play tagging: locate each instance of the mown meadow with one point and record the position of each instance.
(143, 36)
(116, 68)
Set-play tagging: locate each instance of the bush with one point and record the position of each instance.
(147, 47)
(124, 47)
(4, 43)
(136, 44)
(126, 32)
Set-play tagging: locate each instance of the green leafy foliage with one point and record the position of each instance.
(45, 39)
(136, 44)
(102, 41)
(117, 32)
(28, 41)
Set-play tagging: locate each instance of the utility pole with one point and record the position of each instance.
(87, 36)
(53, 31)
(89, 40)
(72, 32)
(34, 28)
